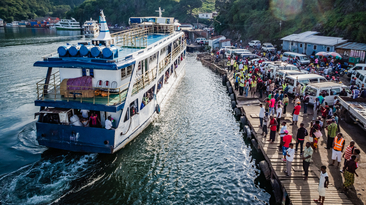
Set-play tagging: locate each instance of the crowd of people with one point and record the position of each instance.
(251, 79)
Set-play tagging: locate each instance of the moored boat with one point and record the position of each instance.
(91, 28)
(68, 24)
(109, 90)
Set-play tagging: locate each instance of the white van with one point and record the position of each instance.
(230, 52)
(330, 89)
(274, 68)
(304, 80)
(360, 76)
(304, 60)
(357, 67)
(282, 74)
(201, 40)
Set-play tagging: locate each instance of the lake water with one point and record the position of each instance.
(194, 153)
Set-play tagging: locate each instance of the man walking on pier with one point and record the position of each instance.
(273, 125)
(295, 118)
(308, 153)
(289, 158)
(332, 132)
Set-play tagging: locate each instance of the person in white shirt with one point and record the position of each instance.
(290, 153)
(278, 115)
(241, 66)
(282, 134)
(261, 114)
(108, 123)
(85, 113)
(323, 184)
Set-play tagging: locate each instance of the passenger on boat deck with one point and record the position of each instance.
(94, 120)
(108, 123)
(85, 113)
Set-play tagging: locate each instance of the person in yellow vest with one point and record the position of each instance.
(241, 73)
(338, 145)
(246, 68)
(253, 88)
(236, 67)
(241, 85)
(284, 86)
(228, 64)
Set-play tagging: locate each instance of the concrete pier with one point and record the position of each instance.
(295, 188)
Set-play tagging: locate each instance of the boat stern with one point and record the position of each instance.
(76, 138)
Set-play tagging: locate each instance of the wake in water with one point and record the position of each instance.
(28, 140)
(46, 180)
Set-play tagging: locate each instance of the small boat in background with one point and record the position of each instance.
(91, 28)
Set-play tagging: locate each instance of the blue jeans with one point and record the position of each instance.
(261, 121)
(305, 108)
(270, 111)
(284, 149)
(246, 92)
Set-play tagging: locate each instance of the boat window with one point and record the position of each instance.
(129, 70)
(166, 76)
(123, 73)
(311, 91)
(148, 97)
(127, 116)
(160, 83)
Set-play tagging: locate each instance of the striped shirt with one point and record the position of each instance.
(348, 152)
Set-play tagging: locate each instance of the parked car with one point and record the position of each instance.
(268, 47)
(254, 43)
(230, 52)
(330, 89)
(357, 67)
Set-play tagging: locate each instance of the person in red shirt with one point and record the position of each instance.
(273, 125)
(295, 117)
(286, 143)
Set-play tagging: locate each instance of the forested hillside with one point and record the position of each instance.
(118, 11)
(11, 10)
(261, 19)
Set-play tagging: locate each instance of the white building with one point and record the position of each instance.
(205, 15)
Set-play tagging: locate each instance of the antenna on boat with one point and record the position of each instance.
(104, 37)
(160, 11)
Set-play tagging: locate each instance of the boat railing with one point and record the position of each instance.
(45, 57)
(163, 63)
(144, 80)
(54, 91)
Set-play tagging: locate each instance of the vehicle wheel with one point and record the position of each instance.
(347, 117)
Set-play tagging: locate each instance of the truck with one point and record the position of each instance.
(353, 110)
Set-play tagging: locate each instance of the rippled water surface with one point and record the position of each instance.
(194, 153)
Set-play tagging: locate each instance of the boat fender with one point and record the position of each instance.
(63, 50)
(265, 168)
(224, 79)
(255, 144)
(232, 96)
(230, 90)
(237, 112)
(233, 104)
(228, 85)
(157, 109)
(243, 120)
(249, 133)
(74, 50)
(276, 190)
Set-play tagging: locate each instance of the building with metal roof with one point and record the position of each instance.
(353, 49)
(308, 43)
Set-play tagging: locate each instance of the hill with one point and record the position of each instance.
(270, 20)
(11, 10)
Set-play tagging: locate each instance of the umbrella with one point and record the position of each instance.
(334, 54)
(322, 54)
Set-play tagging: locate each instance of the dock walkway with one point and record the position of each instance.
(297, 190)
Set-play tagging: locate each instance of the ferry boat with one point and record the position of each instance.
(124, 78)
(91, 28)
(67, 24)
